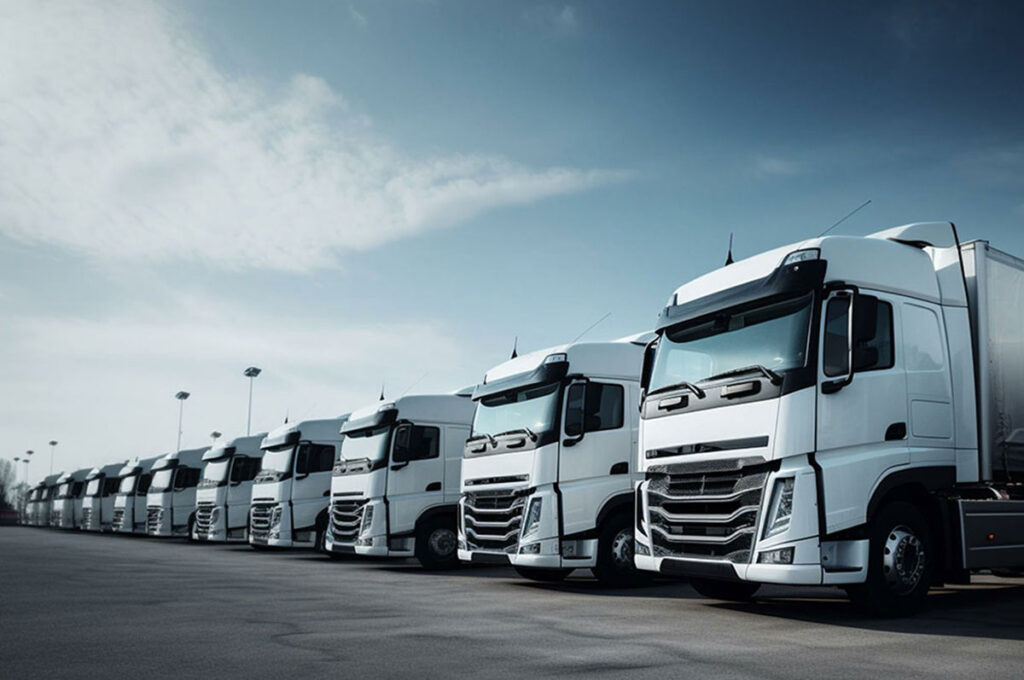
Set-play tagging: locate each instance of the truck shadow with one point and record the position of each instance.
(662, 589)
(994, 611)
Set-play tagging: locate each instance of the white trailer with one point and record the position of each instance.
(66, 508)
(130, 501)
(395, 488)
(549, 471)
(291, 493)
(98, 499)
(225, 489)
(171, 499)
(844, 411)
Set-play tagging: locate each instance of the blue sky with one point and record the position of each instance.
(350, 193)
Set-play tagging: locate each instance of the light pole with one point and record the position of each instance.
(53, 445)
(251, 374)
(181, 397)
(29, 457)
(215, 436)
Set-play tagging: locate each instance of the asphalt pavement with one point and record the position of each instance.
(76, 605)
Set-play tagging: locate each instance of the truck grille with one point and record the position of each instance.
(153, 516)
(697, 511)
(204, 519)
(117, 524)
(87, 518)
(55, 518)
(491, 520)
(346, 519)
(259, 522)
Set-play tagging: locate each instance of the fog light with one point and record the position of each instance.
(780, 556)
(530, 549)
(641, 548)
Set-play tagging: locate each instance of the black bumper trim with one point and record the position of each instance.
(719, 571)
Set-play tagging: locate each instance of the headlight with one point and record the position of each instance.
(364, 528)
(275, 517)
(532, 517)
(214, 515)
(781, 509)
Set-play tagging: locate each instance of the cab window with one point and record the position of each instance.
(415, 442)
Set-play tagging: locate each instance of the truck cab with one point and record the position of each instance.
(291, 493)
(130, 501)
(38, 503)
(98, 498)
(171, 499)
(394, 491)
(225, 489)
(549, 468)
(45, 504)
(842, 411)
(66, 511)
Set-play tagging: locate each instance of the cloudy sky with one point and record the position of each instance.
(351, 193)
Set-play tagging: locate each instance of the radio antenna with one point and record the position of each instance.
(382, 391)
(515, 347)
(845, 217)
(728, 255)
(425, 373)
(591, 327)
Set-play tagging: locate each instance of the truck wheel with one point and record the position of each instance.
(436, 544)
(900, 563)
(615, 567)
(543, 575)
(731, 591)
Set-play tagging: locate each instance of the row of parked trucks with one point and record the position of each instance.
(845, 411)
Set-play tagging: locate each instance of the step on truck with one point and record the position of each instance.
(291, 493)
(395, 488)
(225, 489)
(66, 509)
(130, 501)
(846, 411)
(171, 500)
(98, 499)
(550, 466)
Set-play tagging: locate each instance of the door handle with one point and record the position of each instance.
(434, 486)
(896, 432)
(620, 468)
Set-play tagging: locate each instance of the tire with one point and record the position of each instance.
(191, 534)
(437, 544)
(543, 575)
(730, 591)
(900, 563)
(615, 567)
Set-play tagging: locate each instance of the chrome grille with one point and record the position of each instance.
(346, 519)
(697, 512)
(259, 522)
(153, 516)
(204, 519)
(87, 518)
(118, 522)
(491, 520)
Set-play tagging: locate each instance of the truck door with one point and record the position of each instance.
(862, 402)
(311, 486)
(593, 464)
(415, 475)
(183, 498)
(239, 495)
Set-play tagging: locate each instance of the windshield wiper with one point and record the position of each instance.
(772, 376)
(698, 392)
(525, 430)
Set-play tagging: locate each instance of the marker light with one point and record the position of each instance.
(556, 358)
(386, 407)
(805, 255)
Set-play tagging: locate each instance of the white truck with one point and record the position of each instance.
(845, 411)
(225, 489)
(98, 500)
(39, 501)
(130, 501)
(550, 467)
(395, 488)
(291, 493)
(171, 499)
(66, 509)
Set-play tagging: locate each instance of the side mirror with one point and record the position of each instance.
(574, 399)
(399, 466)
(400, 450)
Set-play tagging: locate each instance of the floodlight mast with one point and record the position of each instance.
(251, 373)
(181, 397)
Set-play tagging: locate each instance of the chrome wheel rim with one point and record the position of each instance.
(903, 560)
(622, 549)
(442, 542)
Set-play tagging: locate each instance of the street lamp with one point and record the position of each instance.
(181, 397)
(29, 454)
(215, 436)
(251, 374)
(53, 445)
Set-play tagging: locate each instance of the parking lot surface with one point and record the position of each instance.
(78, 605)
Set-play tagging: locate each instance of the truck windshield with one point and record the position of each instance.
(216, 472)
(128, 484)
(772, 335)
(93, 487)
(64, 490)
(370, 444)
(162, 480)
(278, 459)
(534, 408)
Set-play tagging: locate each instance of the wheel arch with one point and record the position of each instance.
(619, 503)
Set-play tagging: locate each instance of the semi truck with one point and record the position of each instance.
(130, 501)
(395, 487)
(550, 467)
(66, 508)
(291, 493)
(844, 411)
(225, 489)
(39, 502)
(98, 500)
(171, 499)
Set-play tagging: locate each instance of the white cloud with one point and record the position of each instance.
(559, 20)
(121, 139)
(358, 18)
(767, 166)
